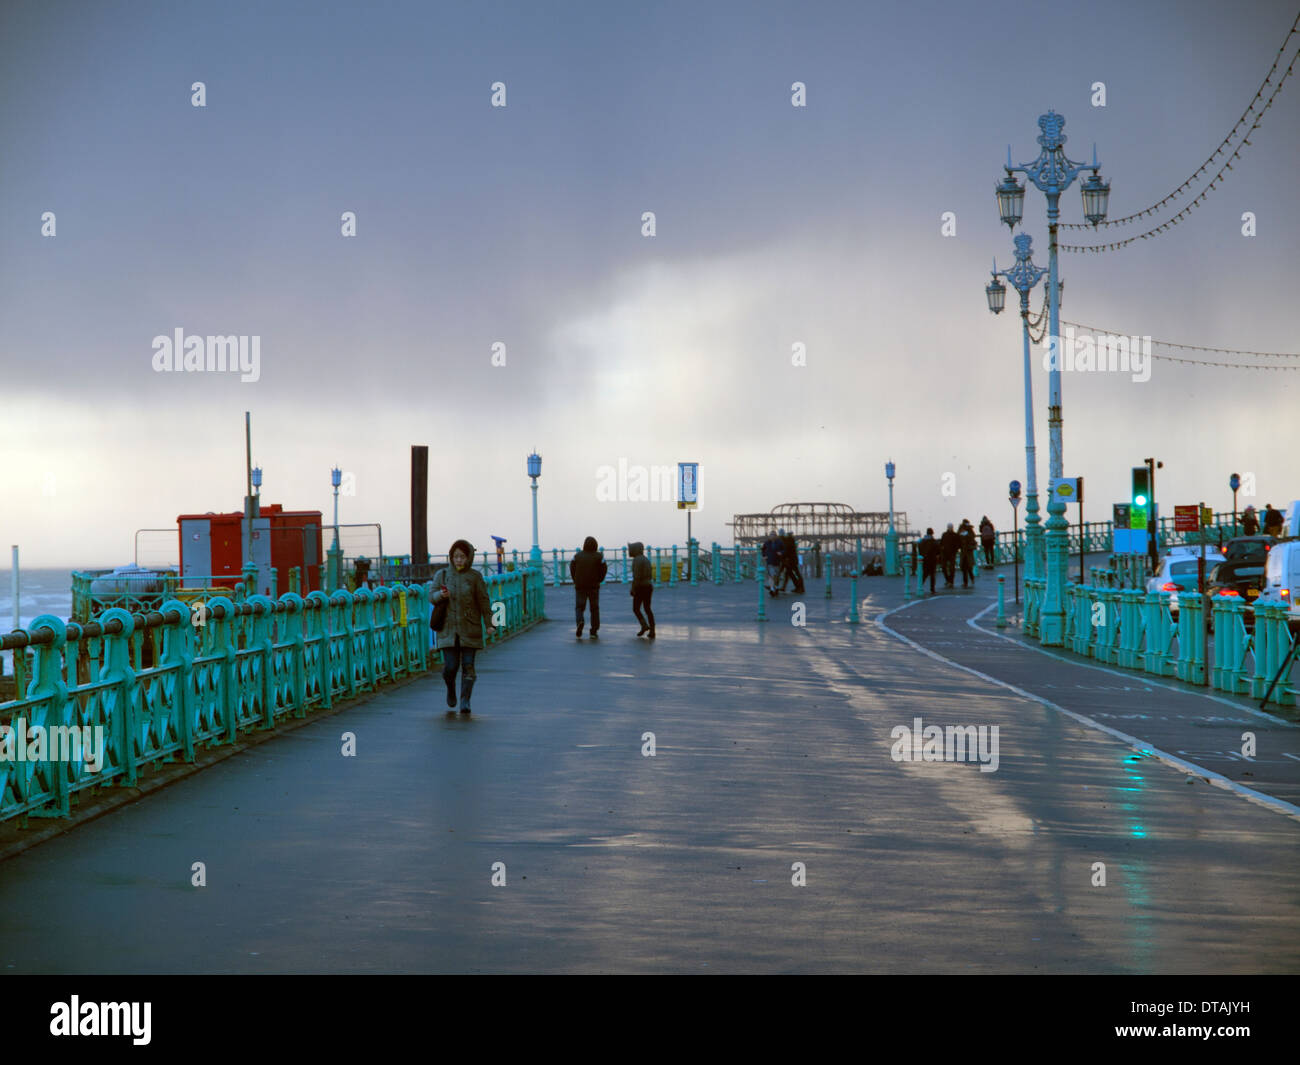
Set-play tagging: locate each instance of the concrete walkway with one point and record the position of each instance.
(772, 747)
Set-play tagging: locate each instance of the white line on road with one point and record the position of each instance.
(1209, 775)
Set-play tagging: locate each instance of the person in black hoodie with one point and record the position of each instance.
(790, 563)
(966, 545)
(642, 588)
(588, 569)
(948, 546)
(928, 549)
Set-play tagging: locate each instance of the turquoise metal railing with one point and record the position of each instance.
(1136, 630)
(219, 668)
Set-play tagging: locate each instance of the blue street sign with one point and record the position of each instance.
(1234, 482)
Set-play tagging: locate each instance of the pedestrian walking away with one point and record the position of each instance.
(966, 546)
(643, 589)
(468, 619)
(929, 552)
(772, 552)
(790, 563)
(588, 569)
(1249, 523)
(988, 539)
(948, 545)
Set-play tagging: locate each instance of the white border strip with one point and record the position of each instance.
(1141, 746)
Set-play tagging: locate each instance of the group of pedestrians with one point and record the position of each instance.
(462, 608)
(1273, 521)
(781, 557)
(955, 547)
(588, 568)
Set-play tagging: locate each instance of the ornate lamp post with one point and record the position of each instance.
(891, 537)
(335, 568)
(1053, 172)
(1023, 277)
(535, 471)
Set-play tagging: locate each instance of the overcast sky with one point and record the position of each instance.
(775, 225)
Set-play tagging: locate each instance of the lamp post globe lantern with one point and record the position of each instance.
(996, 292)
(891, 537)
(1011, 199)
(535, 471)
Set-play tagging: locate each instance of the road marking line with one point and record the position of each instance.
(1209, 775)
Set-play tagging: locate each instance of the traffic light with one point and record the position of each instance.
(1141, 498)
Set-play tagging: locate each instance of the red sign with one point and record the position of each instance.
(1187, 519)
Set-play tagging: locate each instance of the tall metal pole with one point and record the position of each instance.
(1033, 523)
(248, 498)
(1052, 626)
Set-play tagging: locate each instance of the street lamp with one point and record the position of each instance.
(535, 471)
(336, 478)
(891, 537)
(1053, 172)
(1023, 277)
(334, 568)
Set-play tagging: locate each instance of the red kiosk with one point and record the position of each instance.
(215, 546)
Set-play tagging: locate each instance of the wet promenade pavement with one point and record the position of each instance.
(772, 763)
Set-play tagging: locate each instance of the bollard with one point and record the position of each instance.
(693, 563)
(1002, 601)
(736, 554)
(717, 563)
(853, 606)
(672, 571)
(907, 593)
(762, 598)
(858, 568)
(828, 568)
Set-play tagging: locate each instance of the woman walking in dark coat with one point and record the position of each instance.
(642, 588)
(469, 617)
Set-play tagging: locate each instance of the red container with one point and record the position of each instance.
(212, 548)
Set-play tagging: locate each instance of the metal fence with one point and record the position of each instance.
(217, 668)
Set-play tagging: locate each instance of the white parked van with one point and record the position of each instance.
(1282, 579)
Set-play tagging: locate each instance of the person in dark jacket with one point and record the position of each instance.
(642, 588)
(988, 539)
(772, 554)
(1249, 523)
(790, 563)
(966, 545)
(1272, 520)
(949, 543)
(469, 618)
(588, 569)
(928, 549)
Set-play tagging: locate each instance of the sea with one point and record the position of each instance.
(40, 591)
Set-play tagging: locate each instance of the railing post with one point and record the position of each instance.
(117, 671)
(320, 634)
(292, 632)
(736, 554)
(672, 569)
(717, 563)
(49, 686)
(177, 652)
(260, 640)
(365, 609)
